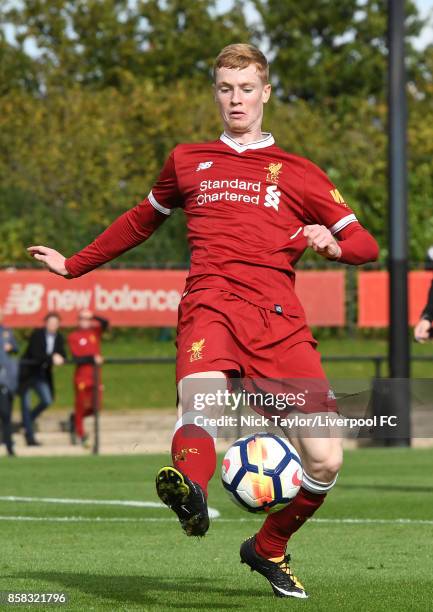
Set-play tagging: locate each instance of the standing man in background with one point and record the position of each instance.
(8, 381)
(424, 327)
(46, 348)
(85, 346)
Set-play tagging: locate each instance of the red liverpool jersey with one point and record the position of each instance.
(85, 343)
(246, 206)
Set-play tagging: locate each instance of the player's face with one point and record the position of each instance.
(84, 321)
(240, 95)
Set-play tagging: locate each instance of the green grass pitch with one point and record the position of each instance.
(357, 554)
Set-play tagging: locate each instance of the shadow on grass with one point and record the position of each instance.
(397, 488)
(144, 590)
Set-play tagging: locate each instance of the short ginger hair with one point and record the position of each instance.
(240, 56)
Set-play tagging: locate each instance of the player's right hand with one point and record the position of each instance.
(320, 239)
(54, 261)
(422, 330)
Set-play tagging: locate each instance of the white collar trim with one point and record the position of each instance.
(266, 141)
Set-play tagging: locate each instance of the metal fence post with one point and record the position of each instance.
(95, 398)
(398, 394)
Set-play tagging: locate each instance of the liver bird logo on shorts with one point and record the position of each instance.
(274, 171)
(196, 350)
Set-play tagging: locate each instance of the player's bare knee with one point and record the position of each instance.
(193, 389)
(321, 475)
(321, 458)
(326, 471)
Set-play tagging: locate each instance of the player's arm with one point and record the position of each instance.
(59, 346)
(126, 232)
(102, 323)
(355, 245)
(332, 229)
(424, 326)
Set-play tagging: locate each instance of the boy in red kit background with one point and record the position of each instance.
(252, 210)
(85, 346)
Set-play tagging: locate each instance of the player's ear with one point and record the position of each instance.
(214, 92)
(266, 92)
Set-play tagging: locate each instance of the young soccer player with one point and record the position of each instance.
(85, 346)
(252, 209)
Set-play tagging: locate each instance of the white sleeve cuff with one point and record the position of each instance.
(342, 223)
(157, 206)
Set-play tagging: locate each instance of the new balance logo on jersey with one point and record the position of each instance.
(204, 165)
(272, 197)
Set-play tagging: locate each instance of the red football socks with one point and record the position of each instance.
(193, 453)
(272, 538)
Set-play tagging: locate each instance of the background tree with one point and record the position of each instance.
(86, 124)
(17, 70)
(101, 43)
(323, 51)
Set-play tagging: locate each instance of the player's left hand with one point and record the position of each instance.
(320, 239)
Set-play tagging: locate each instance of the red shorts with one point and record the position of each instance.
(218, 331)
